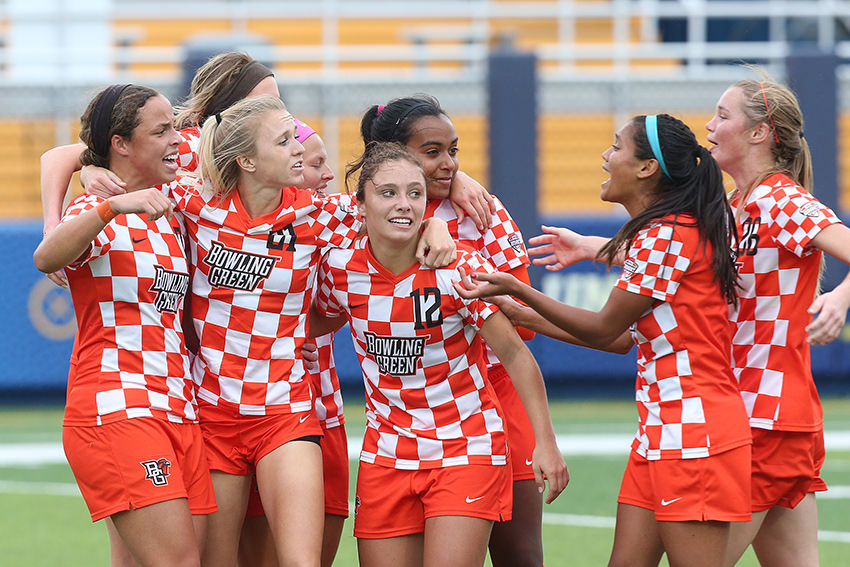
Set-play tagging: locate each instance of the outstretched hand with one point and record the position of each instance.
(561, 246)
(480, 284)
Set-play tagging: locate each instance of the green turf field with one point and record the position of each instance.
(45, 523)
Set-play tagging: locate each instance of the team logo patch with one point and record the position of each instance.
(170, 287)
(810, 209)
(236, 269)
(157, 471)
(515, 241)
(629, 269)
(356, 505)
(397, 356)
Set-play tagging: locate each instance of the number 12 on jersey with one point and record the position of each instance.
(427, 301)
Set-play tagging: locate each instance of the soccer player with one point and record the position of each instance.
(427, 132)
(130, 430)
(757, 138)
(687, 477)
(433, 474)
(255, 545)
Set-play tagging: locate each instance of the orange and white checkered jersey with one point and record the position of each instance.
(779, 280)
(325, 383)
(428, 404)
(501, 244)
(128, 294)
(187, 151)
(687, 399)
(252, 282)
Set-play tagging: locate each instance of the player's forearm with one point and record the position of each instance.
(57, 167)
(68, 242)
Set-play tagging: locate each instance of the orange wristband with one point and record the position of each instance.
(105, 212)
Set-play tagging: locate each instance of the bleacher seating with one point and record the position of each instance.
(569, 146)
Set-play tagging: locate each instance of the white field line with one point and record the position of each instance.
(572, 520)
(30, 454)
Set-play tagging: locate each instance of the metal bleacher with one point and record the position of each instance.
(599, 62)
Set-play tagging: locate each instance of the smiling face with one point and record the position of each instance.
(317, 172)
(393, 204)
(434, 143)
(730, 131)
(151, 150)
(277, 159)
(619, 161)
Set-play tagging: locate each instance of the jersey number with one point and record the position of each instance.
(749, 239)
(427, 301)
(278, 238)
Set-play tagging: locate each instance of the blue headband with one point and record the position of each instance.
(652, 134)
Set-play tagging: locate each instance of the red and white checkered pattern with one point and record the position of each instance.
(252, 282)
(779, 278)
(187, 152)
(325, 383)
(131, 358)
(687, 400)
(501, 244)
(428, 404)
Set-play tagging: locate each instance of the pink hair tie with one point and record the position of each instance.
(302, 131)
(381, 108)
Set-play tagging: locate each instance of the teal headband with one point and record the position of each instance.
(652, 134)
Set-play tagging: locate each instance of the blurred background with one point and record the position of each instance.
(535, 90)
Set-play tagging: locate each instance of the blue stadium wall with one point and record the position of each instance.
(38, 329)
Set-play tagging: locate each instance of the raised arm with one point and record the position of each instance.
(57, 166)
(526, 317)
(596, 329)
(528, 381)
(72, 239)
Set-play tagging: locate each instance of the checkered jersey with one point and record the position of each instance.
(779, 279)
(501, 244)
(187, 152)
(325, 383)
(252, 282)
(428, 404)
(131, 358)
(688, 405)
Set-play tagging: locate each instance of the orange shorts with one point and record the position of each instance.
(394, 502)
(786, 467)
(235, 443)
(517, 425)
(335, 468)
(137, 462)
(679, 490)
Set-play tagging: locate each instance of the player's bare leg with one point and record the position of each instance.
(225, 525)
(290, 482)
(637, 541)
(789, 536)
(402, 551)
(519, 541)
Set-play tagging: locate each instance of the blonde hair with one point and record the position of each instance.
(234, 135)
(774, 104)
(211, 78)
